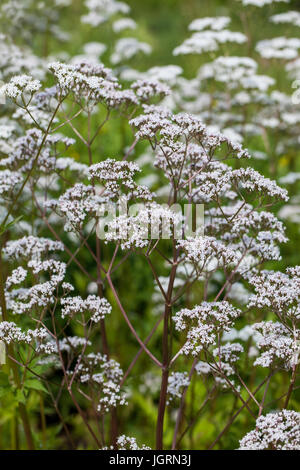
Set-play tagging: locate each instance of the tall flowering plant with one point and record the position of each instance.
(219, 316)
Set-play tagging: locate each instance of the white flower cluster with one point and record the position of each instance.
(261, 3)
(68, 163)
(112, 397)
(100, 11)
(165, 74)
(236, 72)
(222, 369)
(38, 296)
(292, 17)
(250, 179)
(9, 181)
(207, 252)
(152, 221)
(172, 129)
(17, 276)
(92, 82)
(277, 291)
(31, 248)
(204, 323)
(147, 89)
(230, 352)
(151, 121)
(219, 180)
(91, 53)
(116, 176)
(25, 300)
(15, 60)
(26, 151)
(72, 343)
(19, 85)
(290, 178)
(231, 101)
(214, 23)
(203, 368)
(279, 48)
(177, 382)
(126, 48)
(279, 346)
(127, 443)
(38, 338)
(241, 227)
(29, 18)
(105, 374)
(124, 23)
(96, 306)
(75, 205)
(239, 293)
(276, 431)
(206, 40)
(150, 383)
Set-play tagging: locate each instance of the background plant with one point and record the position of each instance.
(136, 337)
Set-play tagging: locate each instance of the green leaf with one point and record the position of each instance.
(34, 384)
(4, 381)
(3, 391)
(20, 397)
(4, 228)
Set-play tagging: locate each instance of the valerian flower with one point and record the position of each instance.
(275, 431)
(204, 323)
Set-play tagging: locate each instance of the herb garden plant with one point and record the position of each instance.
(138, 330)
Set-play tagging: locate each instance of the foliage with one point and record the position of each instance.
(128, 341)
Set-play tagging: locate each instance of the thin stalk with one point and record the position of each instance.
(166, 358)
(181, 408)
(291, 387)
